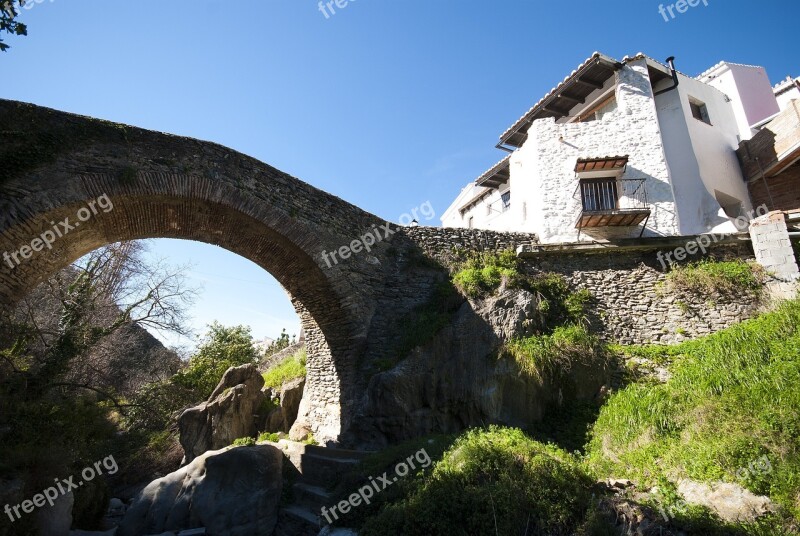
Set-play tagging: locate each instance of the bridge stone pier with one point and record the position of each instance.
(55, 165)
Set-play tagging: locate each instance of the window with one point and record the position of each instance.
(488, 209)
(506, 199)
(699, 111)
(471, 222)
(599, 194)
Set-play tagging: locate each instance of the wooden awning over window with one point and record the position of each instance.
(605, 163)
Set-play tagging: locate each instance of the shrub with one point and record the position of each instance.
(722, 278)
(293, 366)
(549, 357)
(244, 442)
(483, 273)
(267, 436)
(495, 481)
(222, 349)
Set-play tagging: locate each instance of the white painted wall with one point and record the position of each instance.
(702, 160)
(489, 213)
(786, 92)
(749, 90)
(548, 158)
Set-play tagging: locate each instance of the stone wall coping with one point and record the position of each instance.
(628, 244)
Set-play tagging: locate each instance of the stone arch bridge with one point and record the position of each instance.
(56, 166)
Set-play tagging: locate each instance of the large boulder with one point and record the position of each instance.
(230, 492)
(56, 520)
(229, 413)
(282, 418)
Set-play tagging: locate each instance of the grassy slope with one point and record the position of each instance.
(734, 397)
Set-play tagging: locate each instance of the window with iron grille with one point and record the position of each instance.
(599, 194)
(506, 199)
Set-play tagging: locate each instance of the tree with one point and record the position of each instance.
(222, 348)
(77, 327)
(8, 21)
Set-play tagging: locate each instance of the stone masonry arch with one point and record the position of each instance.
(53, 164)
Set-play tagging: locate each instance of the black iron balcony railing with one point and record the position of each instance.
(612, 202)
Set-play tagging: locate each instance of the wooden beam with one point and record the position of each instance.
(552, 110)
(578, 100)
(590, 83)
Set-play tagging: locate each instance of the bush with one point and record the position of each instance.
(721, 278)
(222, 349)
(550, 357)
(244, 442)
(483, 273)
(267, 436)
(293, 366)
(495, 481)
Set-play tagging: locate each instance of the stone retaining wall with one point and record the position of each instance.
(631, 304)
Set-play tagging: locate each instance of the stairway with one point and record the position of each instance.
(316, 470)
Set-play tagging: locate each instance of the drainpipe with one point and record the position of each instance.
(675, 81)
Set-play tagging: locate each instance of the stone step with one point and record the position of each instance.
(295, 520)
(312, 497)
(325, 471)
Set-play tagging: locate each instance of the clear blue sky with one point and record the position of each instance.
(387, 103)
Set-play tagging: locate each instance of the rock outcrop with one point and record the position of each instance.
(457, 381)
(231, 492)
(729, 501)
(229, 413)
(289, 396)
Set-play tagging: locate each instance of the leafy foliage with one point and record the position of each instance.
(223, 348)
(9, 22)
(244, 442)
(551, 357)
(278, 344)
(495, 481)
(483, 273)
(293, 366)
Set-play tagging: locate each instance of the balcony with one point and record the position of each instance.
(609, 202)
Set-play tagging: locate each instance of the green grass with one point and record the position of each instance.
(294, 366)
(721, 278)
(734, 397)
(483, 273)
(494, 481)
(244, 442)
(549, 357)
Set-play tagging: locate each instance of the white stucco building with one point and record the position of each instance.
(624, 149)
(787, 91)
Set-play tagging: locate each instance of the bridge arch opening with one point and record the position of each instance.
(91, 211)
